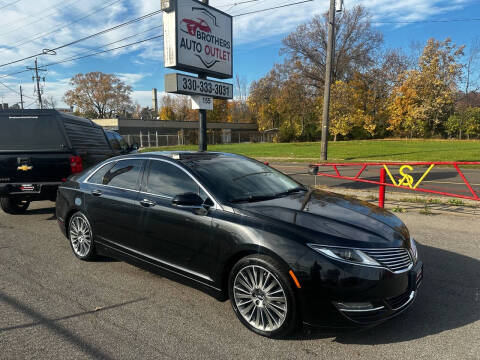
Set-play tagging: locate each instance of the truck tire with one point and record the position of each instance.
(14, 206)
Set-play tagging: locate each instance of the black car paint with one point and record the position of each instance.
(200, 248)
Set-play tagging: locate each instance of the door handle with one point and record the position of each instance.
(147, 203)
(96, 192)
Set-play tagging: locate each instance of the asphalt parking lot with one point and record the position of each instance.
(55, 306)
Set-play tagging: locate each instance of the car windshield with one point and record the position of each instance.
(236, 179)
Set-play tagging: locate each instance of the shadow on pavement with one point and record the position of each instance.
(55, 327)
(449, 298)
(42, 211)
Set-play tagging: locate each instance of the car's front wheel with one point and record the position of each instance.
(81, 237)
(263, 297)
(14, 206)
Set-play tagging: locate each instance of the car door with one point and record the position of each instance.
(112, 203)
(180, 237)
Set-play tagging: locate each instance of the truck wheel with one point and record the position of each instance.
(14, 206)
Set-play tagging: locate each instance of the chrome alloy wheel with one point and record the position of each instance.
(80, 235)
(260, 298)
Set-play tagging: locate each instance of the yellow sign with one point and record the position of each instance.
(24, 168)
(407, 179)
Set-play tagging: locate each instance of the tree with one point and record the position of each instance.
(103, 95)
(356, 44)
(467, 122)
(220, 112)
(183, 109)
(424, 98)
(263, 100)
(166, 111)
(49, 103)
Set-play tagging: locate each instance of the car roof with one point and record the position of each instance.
(49, 112)
(185, 155)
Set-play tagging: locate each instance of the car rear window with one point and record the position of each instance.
(30, 133)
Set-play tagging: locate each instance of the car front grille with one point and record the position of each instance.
(397, 259)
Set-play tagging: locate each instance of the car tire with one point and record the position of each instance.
(80, 234)
(14, 206)
(263, 296)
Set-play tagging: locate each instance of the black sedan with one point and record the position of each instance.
(239, 229)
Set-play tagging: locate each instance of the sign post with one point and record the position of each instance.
(198, 39)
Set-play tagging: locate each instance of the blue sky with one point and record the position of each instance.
(257, 38)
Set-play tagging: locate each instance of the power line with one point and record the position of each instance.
(159, 36)
(232, 5)
(113, 42)
(55, 8)
(272, 8)
(52, 51)
(108, 30)
(41, 35)
(103, 51)
(14, 73)
(12, 3)
(13, 90)
(424, 21)
(47, 51)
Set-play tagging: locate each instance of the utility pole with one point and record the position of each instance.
(328, 79)
(21, 97)
(202, 136)
(37, 78)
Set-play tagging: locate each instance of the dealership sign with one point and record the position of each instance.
(197, 38)
(189, 85)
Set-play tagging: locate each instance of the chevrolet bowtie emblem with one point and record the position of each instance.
(24, 168)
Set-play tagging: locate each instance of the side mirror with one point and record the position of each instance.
(191, 200)
(134, 147)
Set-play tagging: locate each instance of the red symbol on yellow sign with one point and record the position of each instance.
(407, 179)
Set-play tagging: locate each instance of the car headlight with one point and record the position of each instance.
(413, 249)
(353, 256)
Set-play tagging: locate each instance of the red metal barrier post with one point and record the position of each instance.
(381, 189)
(404, 180)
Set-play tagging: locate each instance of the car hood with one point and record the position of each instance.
(338, 217)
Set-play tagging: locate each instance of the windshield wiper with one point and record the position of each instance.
(253, 198)
(291, 191)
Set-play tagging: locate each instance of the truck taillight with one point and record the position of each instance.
(76, 164)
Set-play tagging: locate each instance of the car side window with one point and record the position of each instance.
(125, 174)
(168, 180)
(97, 177)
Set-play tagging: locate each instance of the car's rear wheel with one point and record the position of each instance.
(81, 237)
(263, 297)
(14, 206)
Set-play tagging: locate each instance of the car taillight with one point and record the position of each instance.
(76, 164)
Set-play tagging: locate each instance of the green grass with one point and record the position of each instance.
(372, 150)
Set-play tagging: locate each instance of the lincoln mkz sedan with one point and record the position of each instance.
(234, 227)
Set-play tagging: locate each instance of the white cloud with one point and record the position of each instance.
(131, 78)
(27, 20)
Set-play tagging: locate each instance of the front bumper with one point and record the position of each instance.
(389, 294)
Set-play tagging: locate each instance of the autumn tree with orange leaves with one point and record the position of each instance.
(99, 95)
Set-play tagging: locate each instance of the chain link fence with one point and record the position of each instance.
(190, 137)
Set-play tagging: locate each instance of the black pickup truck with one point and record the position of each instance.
(39, 149)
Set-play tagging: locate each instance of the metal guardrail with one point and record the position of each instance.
(404, 181)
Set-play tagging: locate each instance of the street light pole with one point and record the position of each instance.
(328, 79)
(202, 136)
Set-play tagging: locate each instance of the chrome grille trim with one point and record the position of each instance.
(394, 259)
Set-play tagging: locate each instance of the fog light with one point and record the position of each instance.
(356, 306)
